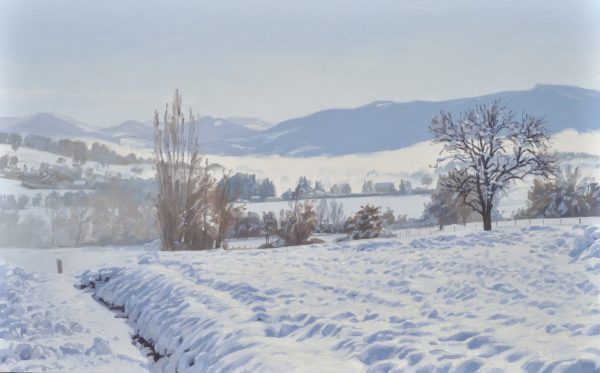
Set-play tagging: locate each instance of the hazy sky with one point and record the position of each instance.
(103, 62)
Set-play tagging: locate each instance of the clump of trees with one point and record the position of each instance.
(9, 163)
(306, 188)
(341, 188)
(194, 211)
(248, 187)
(426, 180)
(566, 195)
(488, 148)
(114, 215)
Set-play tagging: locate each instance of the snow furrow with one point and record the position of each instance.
(519, 299)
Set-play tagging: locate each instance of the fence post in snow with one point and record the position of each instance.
(59, 268)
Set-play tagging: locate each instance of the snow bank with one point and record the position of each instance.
(39, 332)
(587, 249)
(512, 301)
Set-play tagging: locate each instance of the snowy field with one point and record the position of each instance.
(520, 299)
(33, 158)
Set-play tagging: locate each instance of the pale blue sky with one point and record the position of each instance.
(104, 62)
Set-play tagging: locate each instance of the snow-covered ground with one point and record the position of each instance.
(521, 298)
(46, 323)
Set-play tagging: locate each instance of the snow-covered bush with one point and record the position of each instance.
(366, 223)
(568, 195)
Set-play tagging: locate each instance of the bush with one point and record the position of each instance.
(367, 223)
(297, 223)
(247, 226)
(567, 195)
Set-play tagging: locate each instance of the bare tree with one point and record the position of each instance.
(147, 211)
(269, 225)
(426, 180)
(80, 217)
(54, 210)
(489, 149)
(185, 187)
(114, 214)
(322, 213)
(297, 223)
(336, 215)
(445, 206)
(225, 210)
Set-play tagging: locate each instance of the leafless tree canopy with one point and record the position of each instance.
(299, 222)
(185, 187)
(490, 148)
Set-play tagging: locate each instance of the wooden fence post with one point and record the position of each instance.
(59, 267)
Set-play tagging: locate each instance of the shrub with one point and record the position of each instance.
(297, 223)
(367, 223)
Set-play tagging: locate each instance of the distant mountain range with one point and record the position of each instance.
(51, 125)
(381, 125)
(386, 125)
(209, 129)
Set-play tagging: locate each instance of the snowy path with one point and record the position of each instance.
(522, 299)
(46, 323)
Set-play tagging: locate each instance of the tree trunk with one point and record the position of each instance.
(487, 220)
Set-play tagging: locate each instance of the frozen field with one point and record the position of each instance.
(512, 300)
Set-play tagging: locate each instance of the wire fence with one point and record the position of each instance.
(504, 225)
(497, 225)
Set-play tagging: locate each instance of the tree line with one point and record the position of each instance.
(119, 214)
(75, 149)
